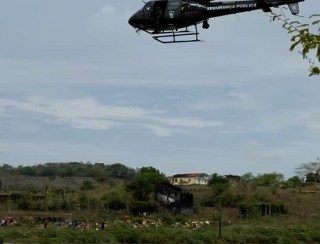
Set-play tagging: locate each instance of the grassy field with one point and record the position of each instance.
(300, 223)
(261, 230)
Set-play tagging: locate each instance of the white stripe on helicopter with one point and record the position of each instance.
(243, 5)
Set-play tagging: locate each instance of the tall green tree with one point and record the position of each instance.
(269, 179)
(247, 177)
(144, 183)
(218, 183)
(294, 181)
(121, 171)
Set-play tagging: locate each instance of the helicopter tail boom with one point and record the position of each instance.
(292, 4)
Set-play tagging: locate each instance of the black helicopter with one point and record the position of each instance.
(168, 20)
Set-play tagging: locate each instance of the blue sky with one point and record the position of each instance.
(78, 84)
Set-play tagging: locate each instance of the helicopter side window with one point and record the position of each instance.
(147, 8)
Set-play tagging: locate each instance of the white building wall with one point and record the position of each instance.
(190, 181)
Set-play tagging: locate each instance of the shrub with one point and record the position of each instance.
(124, 233)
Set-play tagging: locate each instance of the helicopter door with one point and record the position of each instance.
(173, 9)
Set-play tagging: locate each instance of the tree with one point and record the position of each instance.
(218, 183)
(145, 182)
(294, 181)
(269, 179)
(310, 171)
(121, 171)
(7, 167)
(304, 35)
(247, 177)
(87, 185)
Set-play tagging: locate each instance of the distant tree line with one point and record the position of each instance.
(73, 169)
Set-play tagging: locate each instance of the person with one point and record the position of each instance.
(125, 218)
(157, 17)
(102, 224)
(45, 224)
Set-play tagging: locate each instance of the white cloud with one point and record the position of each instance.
(89, 114)
(160, 131)
(187, 122)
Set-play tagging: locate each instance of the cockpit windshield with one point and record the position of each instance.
(148, 7)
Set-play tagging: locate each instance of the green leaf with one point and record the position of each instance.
(316, 22)
(314, 15)
(294, 22)
(303, 25)
(294, 45)
(314, 71)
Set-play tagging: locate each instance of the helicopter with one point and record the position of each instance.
(168, 20)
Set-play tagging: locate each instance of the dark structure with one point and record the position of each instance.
(313, 177)
(174, 198)
(4, 197)
(233, 178)
(261, 209)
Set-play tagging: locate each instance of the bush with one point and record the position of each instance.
(124, 233)
(115, 204)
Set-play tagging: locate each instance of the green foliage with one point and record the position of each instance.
(115, 201)
(226, 199)
(218, 183)
(124, 233)
(6, 168)
(159, 235)
(254, 230)
(144, 183)
(116, 198)
(269, 179)
(120, 171)
(305, 37)
(87, 185)
(232, 200)
(72, 169)
(24, 203)
(247, 177)
(169, 220)
(294, 181)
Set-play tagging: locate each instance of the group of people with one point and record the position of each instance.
(76, 224)
(7, 221)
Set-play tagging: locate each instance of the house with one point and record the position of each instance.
(233, 178)
(189, 179)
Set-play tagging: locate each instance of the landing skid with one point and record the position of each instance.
(177, 36)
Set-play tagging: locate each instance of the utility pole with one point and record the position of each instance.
(220, 217)
(220, 223)
(9, 207)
